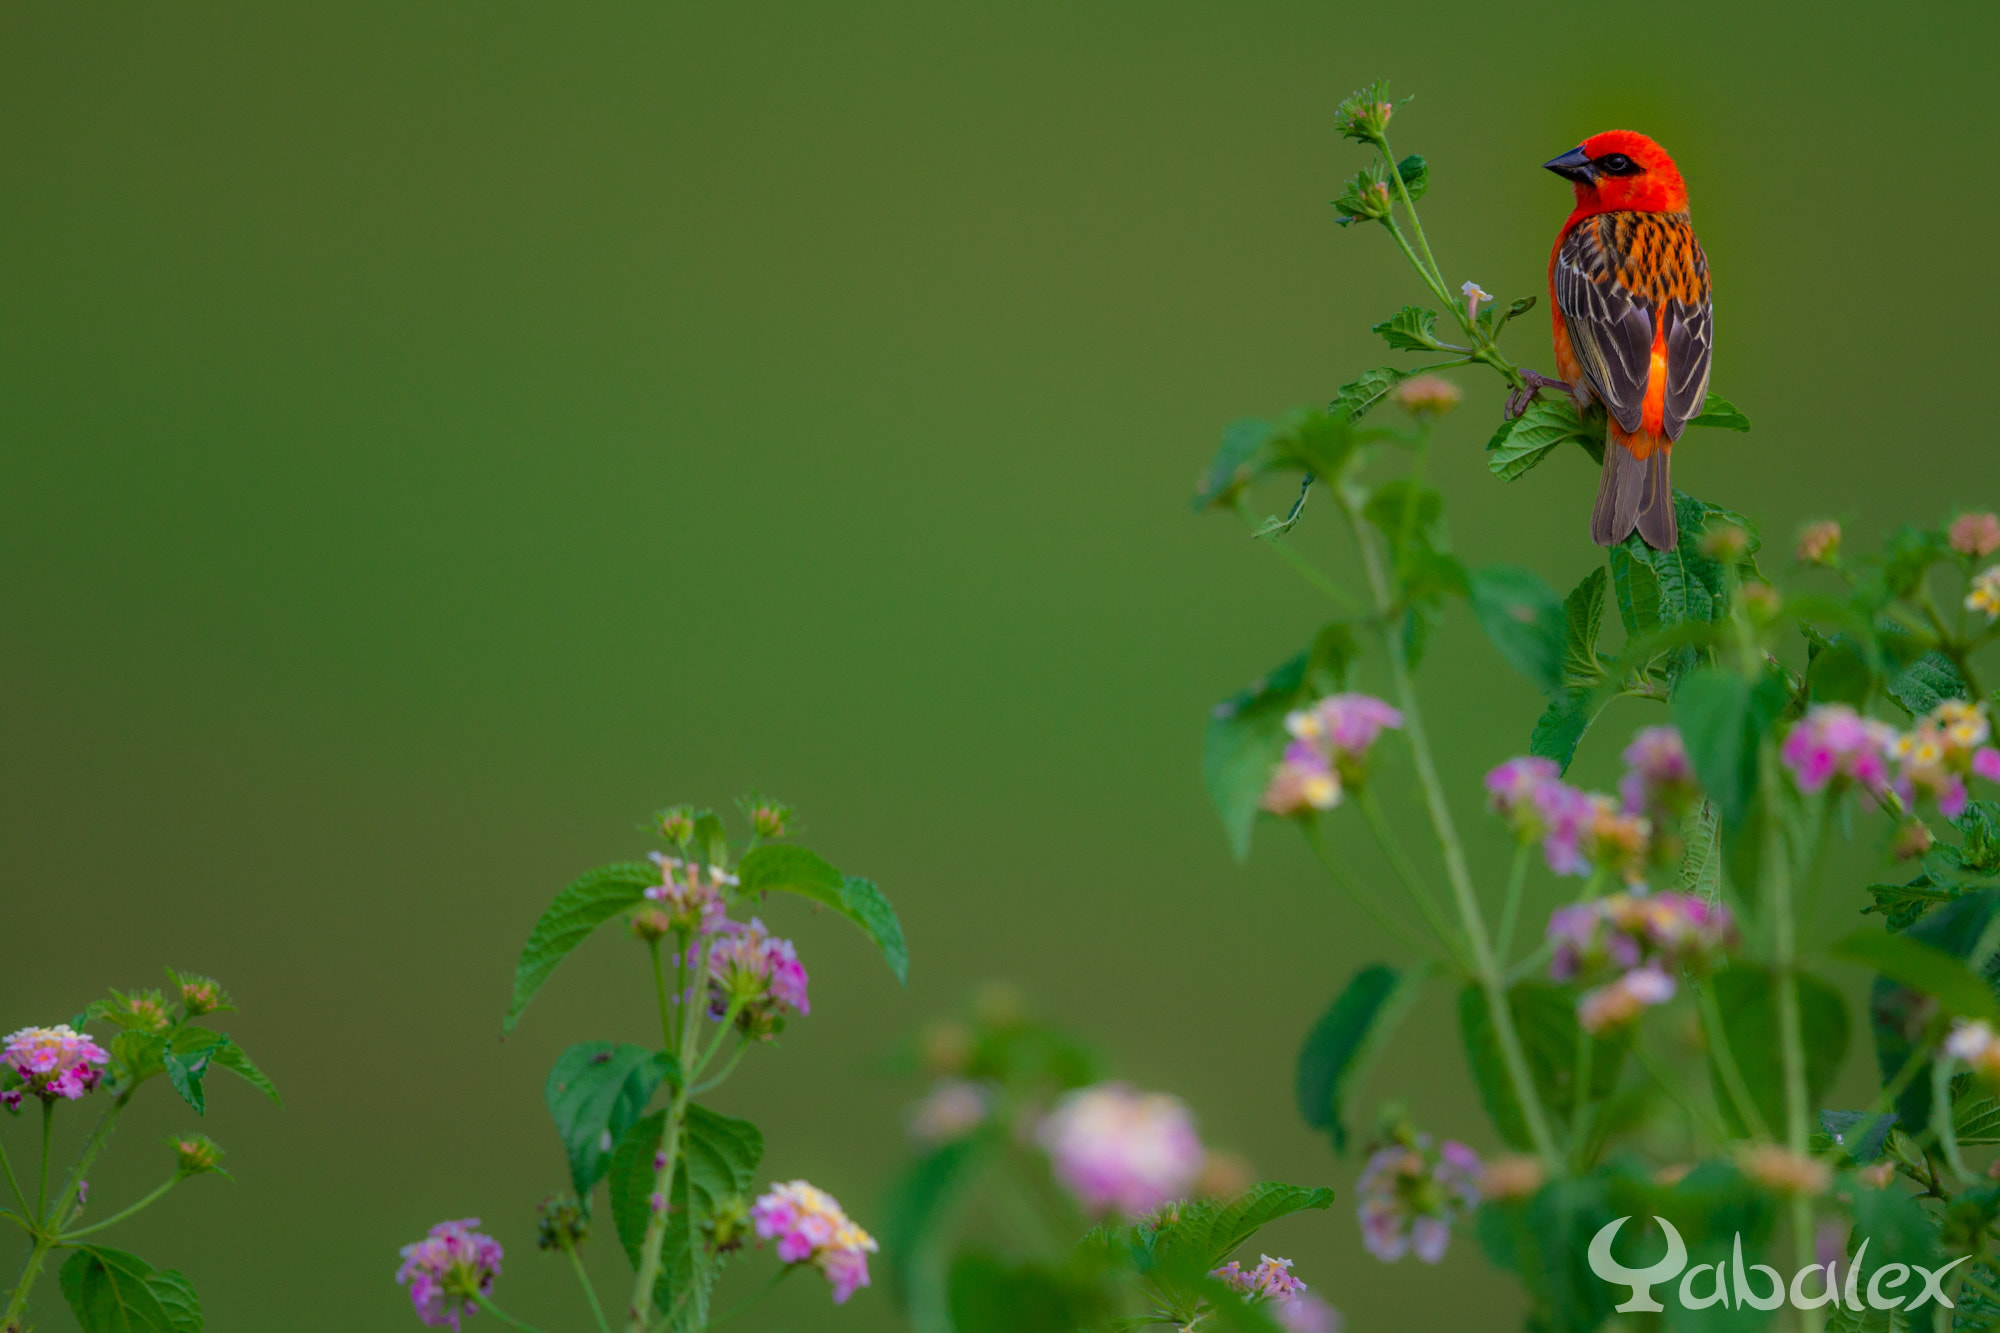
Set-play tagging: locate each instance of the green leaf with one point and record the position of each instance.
(1927, 682)
(1259, 1206)
(1358, 398)
(1903, 1017)
(1330, 659)
(111, 1291)
(709, 845)
(1747, 997)
(1562, 725)
(1860, 1135)
(1545, 1020)
(1408, 514)
(1246, 737)
(1519, 445)
(1903, 904)
(1701, 862)
(595, 1092)
(1976, 1122)
(1544, 1240)
(718, 1165)
(1638, 591)
(1908, 555)
(1409, 330)
(186, 1071)
(1838, 671)
(1416, 176)
(1242, 457)
(1922, 967)
(223, 1052)
(989, 1295)
(1524, 618)
(1346, 1039)
(585, 905)
(1723, 719)
(1313, 441)
(1720, 413)
(1583, 622)
(916, 1227)
(785, 868)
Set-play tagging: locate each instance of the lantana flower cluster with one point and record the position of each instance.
(1411, 1193)
(1328, 751)
(689, 897)
(1835, 745)
(1975, 1043)
(1640, 942)
(447, 1269)
(1579, 831)
(1121, 1150)
(57, 1062)
(1270, 1284)
(809, 1226)
(756, 975)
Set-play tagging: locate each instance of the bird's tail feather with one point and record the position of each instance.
(1635, 492)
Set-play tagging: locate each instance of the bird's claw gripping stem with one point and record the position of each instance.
(1535, 382)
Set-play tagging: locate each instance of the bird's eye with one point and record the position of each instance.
(1617, 164)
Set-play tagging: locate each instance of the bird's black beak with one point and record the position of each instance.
(1574, 165)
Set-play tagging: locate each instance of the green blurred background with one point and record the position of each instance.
(438, 434)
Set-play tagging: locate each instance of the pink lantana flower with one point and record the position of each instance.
(809, 1226)
(1658, 777)
(57, 1062)
(756, 974)
(447, 1269)
(690, 894)
(1283, 1297)
(1833, 743)
(1120, 1150)
(1411, 1194)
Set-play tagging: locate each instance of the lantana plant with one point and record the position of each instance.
(1665, 1045)
(680, 1179)
(48, 1074)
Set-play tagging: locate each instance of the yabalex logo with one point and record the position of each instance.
(1735, 1285)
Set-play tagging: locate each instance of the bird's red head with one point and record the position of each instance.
(1622, 171)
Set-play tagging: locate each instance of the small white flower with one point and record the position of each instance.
(1473, 297)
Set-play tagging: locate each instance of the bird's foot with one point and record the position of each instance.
(1535, 382)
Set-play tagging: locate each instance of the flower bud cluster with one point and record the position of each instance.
(689, 899)
(1411, 1193)
(1640, 942)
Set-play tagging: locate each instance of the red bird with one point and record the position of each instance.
(1633, 323)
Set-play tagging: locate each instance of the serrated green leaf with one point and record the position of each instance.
(111, 1291)
(578, 910)
(1583, 622)
(226, 1054)
(788, 868)
(1409, 330)
(1245, 739)
(719, 1157)
(1858, 1134)
(1345, 1040)
(1562, 725)
(1518, 446)
(1257, 1207)
(1416, 176)
(595, 1092)
(1523, 618)
(1927, 682)
(1720, 413)
(186, 1071)
(1701, 861)
(1239, 460)
(1637, 589)
(1357, 398)
(1747, 997)
(1903, 904)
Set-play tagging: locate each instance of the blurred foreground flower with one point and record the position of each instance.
(1411, 1194)
(54, 1062)
(1974, 534)
(1658, 777)
(1835, 743)
(1819, 543)
(1975, 1044)
(1329, 751)
(952, 1109)
(1116, 1148)
(448, 1270)
(1947, 743)
(1430, 395)
(1983, 595)
(809, 1226)
(1639, 941)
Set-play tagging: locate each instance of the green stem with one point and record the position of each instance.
(45, 1232)
(1309, 826)
(7, 1164)
(660, 990)
(30, 1270)
(48, 1134)
(1512, 1056)
(589, 1287)
(1725, 1064)
(1405, 868)
(1777, 869)
(121, 1216)
(728, 1067)
(1510, 910)
(1580, 1099)
(1704, 1121)
(502, 1315)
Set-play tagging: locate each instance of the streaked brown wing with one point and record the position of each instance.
(1690, 339)
(1610, 326)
